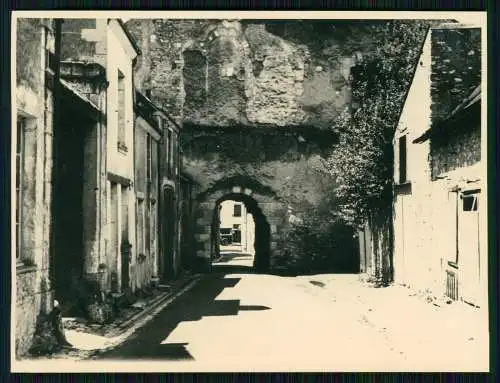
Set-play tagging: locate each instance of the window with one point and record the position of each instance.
(170, 154)
(140, 226)
(148, 159)
(176, 153)
(402, 160)
(237, 210)
(236, 226)
(21, 126)
(469, 202)
(121, 112)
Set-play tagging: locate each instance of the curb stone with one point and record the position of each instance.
(144, 317)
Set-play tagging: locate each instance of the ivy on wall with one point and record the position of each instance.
(362, 163)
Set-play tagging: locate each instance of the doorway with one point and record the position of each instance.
(67, 265)
(166, 261)
(240, 234)
(125, 246)
(468, 247)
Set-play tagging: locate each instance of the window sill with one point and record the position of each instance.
(22, 268)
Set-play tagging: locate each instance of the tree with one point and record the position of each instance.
(362, 162)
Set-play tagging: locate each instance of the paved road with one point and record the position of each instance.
(235, 320)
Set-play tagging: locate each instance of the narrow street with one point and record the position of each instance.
(235, 320)
(217, 194)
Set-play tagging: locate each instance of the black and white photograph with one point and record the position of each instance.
(259, 191)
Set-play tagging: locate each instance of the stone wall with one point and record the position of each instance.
(461, 147)
(264, 207)
(84, 40)
(257, 102)
(224, 73)
(34, 98)
(455, 68)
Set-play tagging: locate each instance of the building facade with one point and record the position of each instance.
(439, 175)
(97, 60)
(234, 216)
(101, 209)
(169, 261)
(36, 76)
(187, 238)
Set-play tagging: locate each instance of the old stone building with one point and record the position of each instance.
(187, 239)
(439, 200)
(257, 102)
(97, 58)
(36, 76)
(168, 186)
(146, 142)
(163, 212)
(234, 217)
(101, 206)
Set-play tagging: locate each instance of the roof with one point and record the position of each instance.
(74, 97)
(126, 35)
(148, 104)
(143, 103)
(129, 36)
(467, 105)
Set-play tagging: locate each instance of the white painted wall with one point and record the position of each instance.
(227, 220)
(119, 58)
(425, 220)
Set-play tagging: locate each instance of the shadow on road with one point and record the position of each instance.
(195, 304)
(234, 256)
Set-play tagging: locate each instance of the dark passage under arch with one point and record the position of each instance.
(262, 243)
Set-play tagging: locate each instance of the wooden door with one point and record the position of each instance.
(468, 248)
(168, 234)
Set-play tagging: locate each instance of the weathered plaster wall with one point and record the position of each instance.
(227, 82)
(34, 102)
(224, 73)
(425, 211)
(84, 40)
(147, 206)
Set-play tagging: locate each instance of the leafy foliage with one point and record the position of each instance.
(362, 163)
(320, 244)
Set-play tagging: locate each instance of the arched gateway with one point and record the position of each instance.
(269, 214)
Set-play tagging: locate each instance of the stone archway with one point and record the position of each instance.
(270, 221)
(262, 239)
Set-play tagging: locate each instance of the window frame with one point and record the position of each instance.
(149, 160)
(235, 206)
(21, 124)
(169, 153)
(403, 159)
(474, 206)
(121, 133)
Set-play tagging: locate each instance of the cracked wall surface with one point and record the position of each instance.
(228, 81)
(244, 74)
